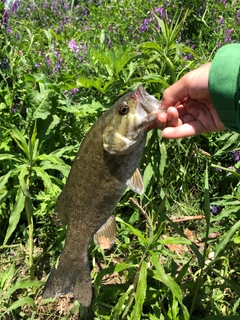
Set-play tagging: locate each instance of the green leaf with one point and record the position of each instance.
(140, 292)
(11, 173)
(51, 158)
(23, 183)
(226, 238)
(170, 283)
(236, 239)
(155, 78)
(110, 270)
(20, 140)
(135, 231)
(34, 142)
(23, 285)
(178, 240)
(6, 277)
(15, 215)
(147, 175)
(41, 103)
(44, 176)
(150, 45)
(7, 156)
(229, 139)
(121, 304)
(166, 279)
(221, 318)
(19, 303)
(163, 159)
(63, 168)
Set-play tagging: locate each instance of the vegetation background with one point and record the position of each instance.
(62, 64)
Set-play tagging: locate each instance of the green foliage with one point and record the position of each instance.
(62, 63)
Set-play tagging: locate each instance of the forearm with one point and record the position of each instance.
(224, 85)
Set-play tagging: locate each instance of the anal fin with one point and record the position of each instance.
(106, 235)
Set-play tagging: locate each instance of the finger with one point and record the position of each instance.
(175, 93)
(183, 131)
(173, 117)
(161, 120)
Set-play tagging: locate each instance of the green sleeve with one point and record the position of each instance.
(224, 85)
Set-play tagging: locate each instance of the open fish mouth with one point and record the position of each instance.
(148, 106)
(148, 102)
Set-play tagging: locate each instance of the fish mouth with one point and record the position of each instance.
(148, 106)
(148, 102)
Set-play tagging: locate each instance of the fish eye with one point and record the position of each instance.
(123, 109)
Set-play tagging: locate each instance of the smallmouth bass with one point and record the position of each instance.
(106, 163)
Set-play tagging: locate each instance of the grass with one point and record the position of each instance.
(61, 65)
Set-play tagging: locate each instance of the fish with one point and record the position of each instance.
(105, 165)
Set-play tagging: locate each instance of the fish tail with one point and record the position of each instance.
(70, 279)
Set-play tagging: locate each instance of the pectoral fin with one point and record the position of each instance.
(106, 235)
(136, 182)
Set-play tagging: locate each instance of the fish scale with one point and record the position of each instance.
(96, 183)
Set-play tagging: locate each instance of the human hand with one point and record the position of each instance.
(189, 108)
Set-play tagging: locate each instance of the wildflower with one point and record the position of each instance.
(85, 11)
(48, 62)
(144, 25)
(235, 155)
(15, 6)
(73, 46)
(4, 65)
(214, 209)
(57, 68)
(9, 30)
(73, 91)
(5, 17)
(238, 16)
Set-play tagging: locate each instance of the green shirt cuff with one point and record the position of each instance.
(224, 85)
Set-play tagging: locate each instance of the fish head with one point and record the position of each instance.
(128, 121)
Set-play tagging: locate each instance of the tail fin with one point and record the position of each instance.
(70, 280)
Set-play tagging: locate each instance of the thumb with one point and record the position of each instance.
(176, 93)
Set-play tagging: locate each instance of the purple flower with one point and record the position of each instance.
(15, 6)
(4, 65)
(48, 62)
(57, 68)
(144, 25)
(5, 17)
(73, 91)
(238, 16)
(9, 30)
(235, 155)
(73, 46)
(214, 209)
(85, 11)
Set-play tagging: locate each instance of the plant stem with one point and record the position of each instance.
(29, 212)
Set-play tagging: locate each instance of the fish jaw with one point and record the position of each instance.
(150, 105)
(148, 102)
